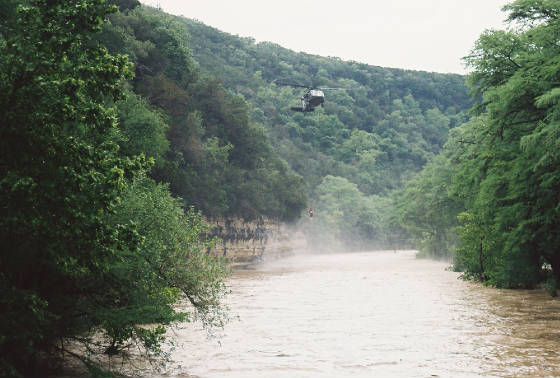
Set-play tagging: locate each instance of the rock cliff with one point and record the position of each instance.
(247, 242)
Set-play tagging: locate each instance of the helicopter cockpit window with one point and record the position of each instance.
(316, 93)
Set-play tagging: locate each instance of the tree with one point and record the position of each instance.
(143, 129)
(170, 263)
(515, 205)
(60, 174)
(77, 259)
(428, 210)
(346, 218)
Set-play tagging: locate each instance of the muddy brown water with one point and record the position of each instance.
(372, 314)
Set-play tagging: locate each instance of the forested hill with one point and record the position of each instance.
(200, 134)
(231, 146)
(235, 60)
(395, 117)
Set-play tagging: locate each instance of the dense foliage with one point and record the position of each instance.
(92, 250)
(205, 145)
(499, 174)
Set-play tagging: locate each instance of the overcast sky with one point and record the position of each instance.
(428, 35)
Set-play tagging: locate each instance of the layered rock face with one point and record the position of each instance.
(244, 243)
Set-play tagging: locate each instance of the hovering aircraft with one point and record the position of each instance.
(313, 97)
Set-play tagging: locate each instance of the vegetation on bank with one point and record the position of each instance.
(493, 194)
(92, 249)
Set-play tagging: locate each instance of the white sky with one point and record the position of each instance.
(427, 35)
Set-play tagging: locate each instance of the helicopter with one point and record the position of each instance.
(313, 97)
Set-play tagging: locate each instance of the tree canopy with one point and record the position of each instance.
(213, 155)
(503, 176)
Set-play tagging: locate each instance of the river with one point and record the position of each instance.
(375, 314)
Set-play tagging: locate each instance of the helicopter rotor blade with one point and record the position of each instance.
(291, 84)
(332, 89)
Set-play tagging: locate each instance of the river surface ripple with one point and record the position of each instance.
(374, 314)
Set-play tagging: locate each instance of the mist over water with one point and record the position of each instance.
(384, 314)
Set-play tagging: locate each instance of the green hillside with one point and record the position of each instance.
(230, 145)
(407, 113)
(367, 141)
(210, 152)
